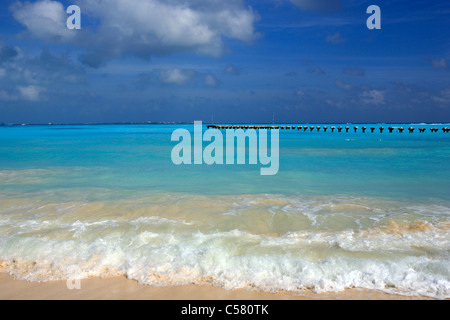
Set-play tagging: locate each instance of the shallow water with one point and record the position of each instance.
(345, 210)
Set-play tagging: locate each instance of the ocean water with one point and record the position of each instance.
(346, 210)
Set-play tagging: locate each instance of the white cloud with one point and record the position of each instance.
(30, 93)
(373, 96)
(25, 78)
(233, 70)
(177, 76)
(46, 69)
(142, 28)
(44, 19)
(211, 81)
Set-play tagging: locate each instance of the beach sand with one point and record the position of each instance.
(120, 288)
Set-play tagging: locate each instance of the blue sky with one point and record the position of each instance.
(234, 61)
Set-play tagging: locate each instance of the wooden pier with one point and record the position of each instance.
(325, 128)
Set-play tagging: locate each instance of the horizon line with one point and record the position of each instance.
(208, 123)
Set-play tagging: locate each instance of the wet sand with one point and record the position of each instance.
(120, 288)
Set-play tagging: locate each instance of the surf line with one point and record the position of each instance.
(234, 151)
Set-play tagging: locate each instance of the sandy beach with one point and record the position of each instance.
(120, 288)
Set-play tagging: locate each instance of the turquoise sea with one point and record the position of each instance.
(346, 210)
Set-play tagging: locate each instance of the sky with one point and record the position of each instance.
(234, 61)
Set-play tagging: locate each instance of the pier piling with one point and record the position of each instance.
(325, 128)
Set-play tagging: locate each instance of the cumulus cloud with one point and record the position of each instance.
(211, 81)
(24, 78)
(177, 76)
(142, 28)
(43, 19)
(22, 93)
(323, 6)
(233, 70)
(373, 97)
(31, 92)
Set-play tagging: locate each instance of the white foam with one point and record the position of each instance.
(233, 259)
(343, 243)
